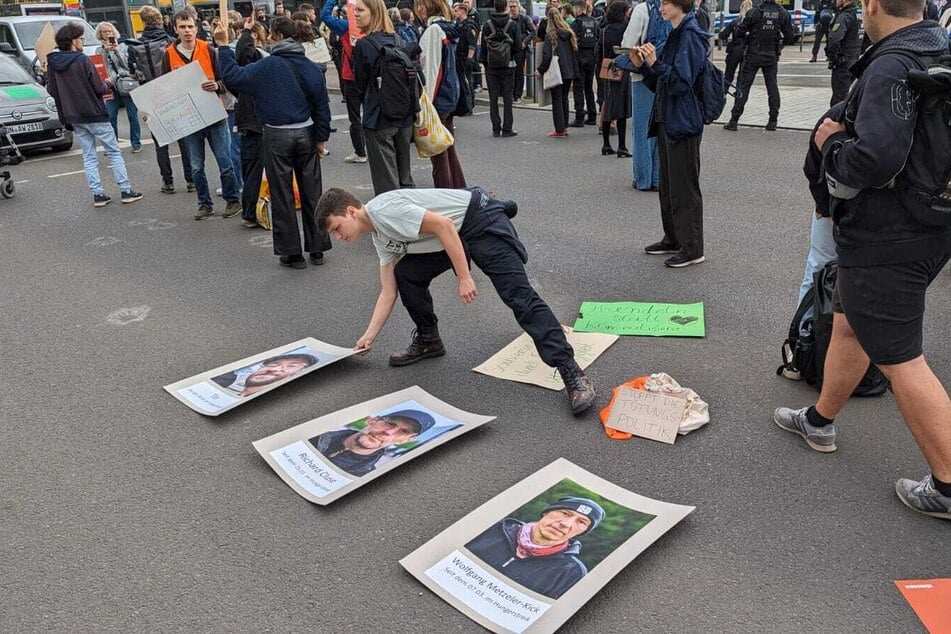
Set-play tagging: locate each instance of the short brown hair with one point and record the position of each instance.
(150, 16)
(903, 8)
(685, 5)
(334, 202)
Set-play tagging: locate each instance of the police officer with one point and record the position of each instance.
(766, 28)
(825, 13)
(843, 48)
(586, 32)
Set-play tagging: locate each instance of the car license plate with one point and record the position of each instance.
(24, 127)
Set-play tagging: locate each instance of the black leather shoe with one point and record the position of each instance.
(771, 125)
(581, 392)
(623, 153)
(317, 259)
(731, 126)
(607, 150)
(578, 123)
(424, 346)
(509, 134)
(496, 133)
(293, 261)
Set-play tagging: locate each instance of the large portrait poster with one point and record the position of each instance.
(328, 457)
(529, 558)
(219, 390)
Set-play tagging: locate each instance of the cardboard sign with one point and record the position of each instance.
(215, 392)
(582, 530)
(99, 63)
(45, 43)
(642, 318)
(931, 601)
(519, 361)
(326, 458)
(177, 105)
(647, 414)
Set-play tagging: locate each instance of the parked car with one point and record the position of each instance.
(28, 112)
(18, 35)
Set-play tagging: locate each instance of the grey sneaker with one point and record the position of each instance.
(232, 209)
(204, 211)
(921, 496)
(794, 420)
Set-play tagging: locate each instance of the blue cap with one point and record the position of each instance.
(589, 508)
(424, 420)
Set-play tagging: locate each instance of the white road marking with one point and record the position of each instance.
(65, 174)
(126, 316)
(102, 241)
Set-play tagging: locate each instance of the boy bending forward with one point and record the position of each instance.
(419, 234)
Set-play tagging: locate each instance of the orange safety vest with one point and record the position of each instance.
(201, 54)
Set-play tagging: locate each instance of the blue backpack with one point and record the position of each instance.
(711, 91)
(657, 27)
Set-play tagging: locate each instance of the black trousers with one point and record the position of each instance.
(821, 31)
(752, 65)
(354, 102)
(841, 81)
(165, 163)
(500, 262)
(559, 106)
(584, 91)
(293, 152)
(252, 165)
(681, 202)
(500, 85)
(733, 58)
(519, 80)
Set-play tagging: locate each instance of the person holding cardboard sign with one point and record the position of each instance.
(418, 235)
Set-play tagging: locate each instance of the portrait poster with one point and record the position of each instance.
(216, 391)
(529, 558)
(99, 63)
(519, 361)
(328, 457)
(177, 105)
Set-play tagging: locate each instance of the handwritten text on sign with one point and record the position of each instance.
(642, 318)
(647, 414)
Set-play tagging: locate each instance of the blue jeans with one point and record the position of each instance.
(219, 138)
(821, 252)
(135, 132)
(88, 134)
(235, 149)
(646, 159)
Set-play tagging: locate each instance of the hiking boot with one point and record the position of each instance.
(822, 439)
(100, 200)
(771, 125)
(922, 496)
(293, 261)
(167, 188)
(661, 248)
(204, 211)
(581, 392)
(250, 224)
(232, 209)
(424, 346)
(190, 187)
(681, 260)
(731, 125)
(130, 197)
(355, 158)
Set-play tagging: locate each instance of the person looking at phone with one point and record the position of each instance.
(115, 56)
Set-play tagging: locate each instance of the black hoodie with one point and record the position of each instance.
(875, 219)
(73, 82)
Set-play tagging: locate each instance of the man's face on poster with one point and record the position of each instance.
(384, 431)
(275, 371)
(560, 525)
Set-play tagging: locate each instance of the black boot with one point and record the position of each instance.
(424, 346)
(731, 125)
(580, 391)
(771, 124)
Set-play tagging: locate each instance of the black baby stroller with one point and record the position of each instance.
(9, 155)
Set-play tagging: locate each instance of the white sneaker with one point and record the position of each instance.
(218, 192)
(355, 158)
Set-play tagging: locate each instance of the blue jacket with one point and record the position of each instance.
(281, 107)
(447, 93)
(673, 77)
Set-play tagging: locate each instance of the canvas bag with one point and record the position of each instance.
(552, 77)
(429, 134)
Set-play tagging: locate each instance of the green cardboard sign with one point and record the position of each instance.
(22, 92)
(642, 318)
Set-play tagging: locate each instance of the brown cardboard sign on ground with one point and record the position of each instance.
(532, 556)
(647, 414)
(519, 361)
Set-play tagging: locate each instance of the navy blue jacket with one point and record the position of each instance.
(287, 106)
(75, 85)
(673, 77)
(366, 55)
(551, 576)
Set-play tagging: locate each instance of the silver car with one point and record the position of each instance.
(28, 112)
(18, 35)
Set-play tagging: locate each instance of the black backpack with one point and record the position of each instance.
(146, 57)
(711, 91)
(396, 80)
(804, 350)
(498, 46)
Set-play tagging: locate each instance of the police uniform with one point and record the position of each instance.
(586, 32)
(843, 48)
(823, 18)
(765, 28)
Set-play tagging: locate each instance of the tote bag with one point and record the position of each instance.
(552, 77)
(429, 133)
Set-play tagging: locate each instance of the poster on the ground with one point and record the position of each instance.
(529, 558)
(216, 391)
(328, 457)
(931, 601)
(519, 361)
(177, 105)
(649, 319)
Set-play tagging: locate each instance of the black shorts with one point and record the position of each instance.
(885, 306)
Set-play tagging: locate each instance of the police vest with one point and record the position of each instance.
(587, 33)
(766, 34)
(850, 47)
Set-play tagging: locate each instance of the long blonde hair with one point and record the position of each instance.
(435, 9)
(555, 19)
(379, 17)
(746, 6)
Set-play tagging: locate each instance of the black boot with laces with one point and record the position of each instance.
(580, 390)
(424, 346)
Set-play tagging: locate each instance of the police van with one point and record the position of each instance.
(802, 13)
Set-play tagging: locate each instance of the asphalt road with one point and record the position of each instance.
(121, 510)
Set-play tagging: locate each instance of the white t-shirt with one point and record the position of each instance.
(397, 216)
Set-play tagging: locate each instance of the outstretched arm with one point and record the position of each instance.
(383, 308)
(445, 231)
